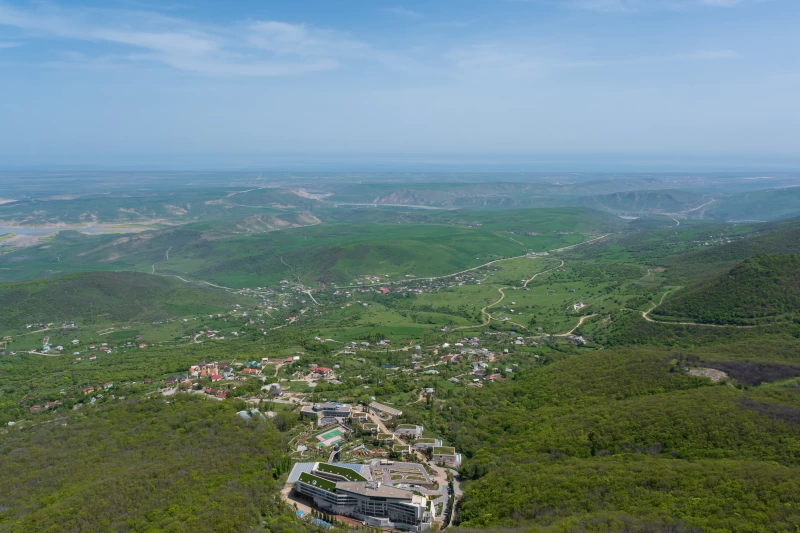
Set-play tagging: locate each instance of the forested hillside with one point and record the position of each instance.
(764, 288)
(628, 439)
(144, 465)
(775, 238)
(94, 297)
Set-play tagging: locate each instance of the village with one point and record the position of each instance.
(361, 413)
(391, 452)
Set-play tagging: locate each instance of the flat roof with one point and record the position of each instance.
(331, 406)
(426, 440)
(385, 408)
(381, 490)
(347, 473)
(318, 482)
(309, 468)
(409, 426)
(444, 450)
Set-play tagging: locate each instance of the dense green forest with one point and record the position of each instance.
(774, 238)
(616, 437)
(144, 465)
(99, 297)
(766, 287)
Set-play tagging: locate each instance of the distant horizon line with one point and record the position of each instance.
(229, 170)
(389, 163)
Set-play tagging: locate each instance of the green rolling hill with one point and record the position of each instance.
(771, 204)
(761, 289)
(105, 297)
(778, 237)
(248, 253)
(636, 202)
(630, 440)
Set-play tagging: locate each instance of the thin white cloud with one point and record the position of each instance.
(697, 55)
(515, 60)
(629, 6)
(398, 10)
(8, 44)
(283, 39)
(721, 3)
(260, 48)
(607, 5)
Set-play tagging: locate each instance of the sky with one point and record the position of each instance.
(383, 84)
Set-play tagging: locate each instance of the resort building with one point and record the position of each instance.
(422, 444)
(330, 410)
(385, 410)
(341, 490)
(409, 430)
(446, 455)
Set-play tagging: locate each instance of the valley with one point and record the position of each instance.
(542, 369)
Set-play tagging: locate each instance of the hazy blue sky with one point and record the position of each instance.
(295, 82)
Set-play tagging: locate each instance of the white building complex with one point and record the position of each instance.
(385, 410)
(446, 455)
(424, 443)
(409, 430)
(327, 413)
(349, 491)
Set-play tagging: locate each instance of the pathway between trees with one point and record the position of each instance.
(581, 320)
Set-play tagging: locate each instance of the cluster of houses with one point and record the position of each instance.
(46, 406)
(103, 347)
(320, 372)
(100, 387)
(216, 371)
(215, 392)
(46, 345)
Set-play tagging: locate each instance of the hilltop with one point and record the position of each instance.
(97, 297)
(762, 288)
(636, 202)
(771, 204)
(780, 237)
